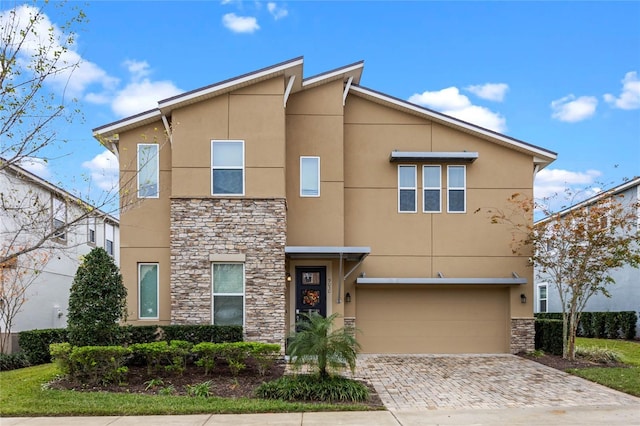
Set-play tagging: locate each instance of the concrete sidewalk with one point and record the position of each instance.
(628, 415)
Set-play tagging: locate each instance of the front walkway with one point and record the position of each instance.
(434, 382)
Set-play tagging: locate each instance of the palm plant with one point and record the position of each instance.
(316, 343)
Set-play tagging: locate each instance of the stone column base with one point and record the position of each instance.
(523, 333)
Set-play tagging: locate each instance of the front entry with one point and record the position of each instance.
(311, 290)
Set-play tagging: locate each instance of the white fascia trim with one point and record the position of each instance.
(329, 76)
(452, 121)
(234, 82)
(113, 128)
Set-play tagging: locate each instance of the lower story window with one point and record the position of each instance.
(148, 290)
(228, 294)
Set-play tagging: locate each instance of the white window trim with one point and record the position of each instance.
(243, 168)
(309, 157)
(425, 187)
(539, 299)
(414, 188)
(463, 188)
(157, 165)
(243, 294)
(140, 317)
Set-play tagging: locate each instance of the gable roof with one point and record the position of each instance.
(292, 70)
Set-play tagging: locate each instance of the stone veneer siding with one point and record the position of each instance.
(253, 227)
(523, 332)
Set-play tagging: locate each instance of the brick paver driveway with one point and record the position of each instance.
(410, 382)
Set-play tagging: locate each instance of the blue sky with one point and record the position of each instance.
(561, 75)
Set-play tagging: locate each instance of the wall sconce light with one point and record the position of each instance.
(523, 298)
(288, 277)
(347, 298)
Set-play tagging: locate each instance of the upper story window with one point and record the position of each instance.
(59, 219)
(227, 167)
(108, 239)
(456, 189)
(148, 170)
(309, 176)
(431, 184)
(542, 298)
(91, 235)
(407, 189)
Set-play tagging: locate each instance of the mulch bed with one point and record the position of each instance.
(223, 383)
(559, 363)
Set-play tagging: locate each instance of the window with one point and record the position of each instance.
(542, 298)
(108, 239)
(148, 170)
(431, 176)
(59, 219)
(309, 176)
(407, 190)
(456, 189)
(148, 290)
(228, 294)
(227, 167)
(91, 236)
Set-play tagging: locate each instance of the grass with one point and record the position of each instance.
(22, 393)
(623, 379)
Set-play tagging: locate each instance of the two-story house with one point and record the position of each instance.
(625, 293)
(269, 194)
(31, 209)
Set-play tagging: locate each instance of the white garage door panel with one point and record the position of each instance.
(428, 320)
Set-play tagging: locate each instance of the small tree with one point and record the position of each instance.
(576, 249)
(97, 301)
(317, 344)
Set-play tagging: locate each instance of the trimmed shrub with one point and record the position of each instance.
(310, 388)
(202, 333)
(172, 356)
(265, 355)
(61, 355)
(628, 321)
(603, 325)
(549, 336)
(13, 361)
(130, 334)
(92, 365)
(206, 352)
(35, 343)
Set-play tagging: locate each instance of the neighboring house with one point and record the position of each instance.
(44, 207)
(625, 293)
(269, 194)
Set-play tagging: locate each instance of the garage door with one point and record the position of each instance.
(405, 319)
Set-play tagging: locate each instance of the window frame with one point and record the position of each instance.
(463, 188)
(157, 265)
(414, 188)
(59, 205)
(140, 167)
(91, 231)
(109, 231)
(309, 157)
(540, 299)
(243, 294)
(242, 168)
(431, 188)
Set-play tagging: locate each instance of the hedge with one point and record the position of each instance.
(549, 336)
(35, 343)
(604, 325)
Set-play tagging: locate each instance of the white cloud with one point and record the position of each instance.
(104, 170)
(572, 109)
(75, 74)
(37, 166)
(550, 182)
(141, 94)
(490, 91)
(630, 96)
(277, 12)
(451, 102)
(240, 24)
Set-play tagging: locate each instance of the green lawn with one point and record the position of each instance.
(623, 379)
(22, 394)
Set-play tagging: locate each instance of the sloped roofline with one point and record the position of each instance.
(599, 196)
(43, 183)
(542, 156)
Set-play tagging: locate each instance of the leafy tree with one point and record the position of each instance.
(317, 344)
(97, 301)
(576, 249)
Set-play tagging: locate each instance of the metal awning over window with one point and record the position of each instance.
(433, 157)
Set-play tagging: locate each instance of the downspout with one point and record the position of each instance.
(340, 280)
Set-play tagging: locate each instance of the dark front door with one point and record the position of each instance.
(311, 290)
